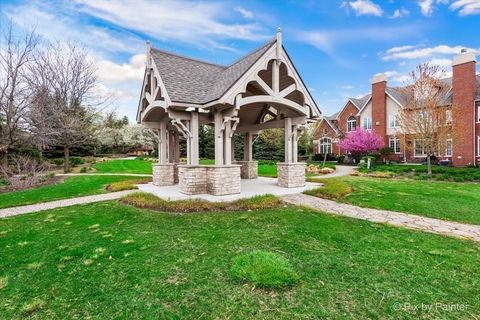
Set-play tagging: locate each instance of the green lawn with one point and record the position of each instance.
(124, 166)
(71, 187)
(109, 261)
(444, 200)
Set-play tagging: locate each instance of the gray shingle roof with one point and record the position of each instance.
(359, 103)
(396, 94)
(194, 81)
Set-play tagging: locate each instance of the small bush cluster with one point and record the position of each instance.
(74, 161)
(419, 172)
(149, 201)
(332, 189)
(264, 269)
(126, 185)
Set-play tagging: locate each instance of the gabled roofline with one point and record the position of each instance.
(364, 105)
(341, 110)
(337, 132)
(395, 100)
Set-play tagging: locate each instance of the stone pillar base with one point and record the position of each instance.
(163, 174)
(291, 175)
(223, 180)
(214, 180)
(192, 179)
(248, 169)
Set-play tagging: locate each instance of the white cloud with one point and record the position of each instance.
(329, 40)
(399, 13)
(111, 71)
(197, 23)
(467, 7)
(396, 77)
(366, 7)
(411, 52)
(441, 62)
(244, 12)
(54, 25)
(426, 6)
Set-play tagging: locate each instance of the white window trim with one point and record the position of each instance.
(396, 122)
(451, 148)
(396, 144)
(368, 123)
(328, 145)
(478, 146)
(350, 120)
(415, 148)
(447, 120)
(478, 112)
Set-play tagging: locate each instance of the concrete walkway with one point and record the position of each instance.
(340, 171)
(8, 212)
(410, 221)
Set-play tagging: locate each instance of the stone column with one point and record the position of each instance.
(291, 175)
(218, 118)
(193, 139)
(288, 140)
(247, 147)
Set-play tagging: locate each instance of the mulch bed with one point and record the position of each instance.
(54, 180)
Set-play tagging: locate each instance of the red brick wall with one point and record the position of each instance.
(349, 110)
(464, 89)
(319, 133)
(379, 109)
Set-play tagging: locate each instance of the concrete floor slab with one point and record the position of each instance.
(250, 188)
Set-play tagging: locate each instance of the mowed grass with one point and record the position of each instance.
(124, 166)
(75, 186)
(110, 261)
(444, 200)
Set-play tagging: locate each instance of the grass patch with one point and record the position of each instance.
(332, 188)
(124, 166)
(72, 187)
(443, 200)
(149, 201)
(32, 307)
(179, 266)
(126, 185)
(264, 269)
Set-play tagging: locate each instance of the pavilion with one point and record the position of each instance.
(262, 90)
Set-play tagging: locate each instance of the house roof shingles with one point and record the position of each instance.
(194, 81)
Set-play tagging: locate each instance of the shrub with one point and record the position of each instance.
(83, 170)
(58, 161)
(149, 201)
(264, 269)
(75, 161)
(340, 159)
(126, 185)
(385, 151)
(4, 182)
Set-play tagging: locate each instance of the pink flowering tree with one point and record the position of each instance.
(360, 142)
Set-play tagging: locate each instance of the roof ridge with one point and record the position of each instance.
(252, 52)
(190, 58)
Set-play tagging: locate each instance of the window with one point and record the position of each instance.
(325, 146)
(448, 147)
(394, 144)
(393, 121)
(448, 116)
(478, 112)
(478, 146)
(324, 131)
(419, 149)
(351, 123)
(366, 123)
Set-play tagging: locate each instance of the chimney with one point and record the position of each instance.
(464, 86)
(379, 105)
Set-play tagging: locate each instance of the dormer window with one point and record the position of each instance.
(351, 123)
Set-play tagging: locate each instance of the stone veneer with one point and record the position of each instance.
(291, 175)
(248, 169)
(214, 180)
(164, 174)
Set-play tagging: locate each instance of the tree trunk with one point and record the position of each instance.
(429, 165)
(324, 159)
(66, 159)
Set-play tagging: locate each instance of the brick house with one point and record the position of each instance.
(379, 110)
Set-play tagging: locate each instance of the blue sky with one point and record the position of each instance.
(337, 46)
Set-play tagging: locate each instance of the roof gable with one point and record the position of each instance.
(194, 81)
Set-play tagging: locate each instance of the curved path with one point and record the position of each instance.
(340, 171)
(399, 219)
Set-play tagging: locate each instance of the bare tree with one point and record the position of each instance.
(67, 100)
(17, 52)
(425, 119)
